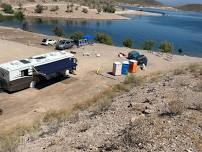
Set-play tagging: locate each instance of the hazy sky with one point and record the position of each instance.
(180, 2)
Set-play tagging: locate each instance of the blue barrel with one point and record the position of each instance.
(125, 68)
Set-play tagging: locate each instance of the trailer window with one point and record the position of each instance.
(24, 73)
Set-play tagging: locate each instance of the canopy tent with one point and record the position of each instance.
(89, 37)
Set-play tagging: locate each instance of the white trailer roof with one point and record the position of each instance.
(35, 60)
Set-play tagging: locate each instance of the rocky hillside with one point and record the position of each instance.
(191, 7)
(139, 2)
(162, 114)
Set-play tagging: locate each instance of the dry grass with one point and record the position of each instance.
(10, 139)
(173, 108)
(179, 71)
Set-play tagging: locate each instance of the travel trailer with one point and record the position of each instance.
(20, 74)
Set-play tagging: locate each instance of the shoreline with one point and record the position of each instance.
(53, 36)
(61, 12)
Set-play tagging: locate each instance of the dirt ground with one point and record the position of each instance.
(26, 105)
(162, 115)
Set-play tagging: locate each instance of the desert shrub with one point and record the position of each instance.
(99, 10)
(128, 43)
(7, 8)
(173, 108)
(109, 9)
(19, 15)
(58, 31)
(85, 10)
(1, 111)
(53, 115)
(193, 68)
(20, 6)
(104, 38)
(54, 8)
(166, 47)
(179, 71)
(148, 45)
(39, 9)
(77, 36)
(77, 8)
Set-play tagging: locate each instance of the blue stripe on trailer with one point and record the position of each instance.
(57, 66)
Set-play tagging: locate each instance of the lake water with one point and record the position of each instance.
(183, 29)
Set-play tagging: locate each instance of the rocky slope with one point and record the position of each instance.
(163, 114)
(191, 7)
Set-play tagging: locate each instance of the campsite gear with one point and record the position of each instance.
(121, 54)
(17, 75)
(142, 60)
(142, 67)
(97, 55)
(81, 42)
(133, 68)
(117, 66)
(90, 38)
(125, 67)
(86, 54)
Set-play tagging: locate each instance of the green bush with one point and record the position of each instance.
(39, 8)
(148, 45)
(77, 36)
(166, 47)
(54, 8)
(19, 15)
(7, 8)
(85, 10)
(104, 38)
(128, 43)
(109, 9)
(99, 10)
(58, 31)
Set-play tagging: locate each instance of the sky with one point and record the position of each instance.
(180, 2)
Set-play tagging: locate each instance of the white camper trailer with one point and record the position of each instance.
(19, 74)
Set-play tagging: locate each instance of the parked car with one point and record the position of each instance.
(141, 59)
(48, 41)
(64, 44)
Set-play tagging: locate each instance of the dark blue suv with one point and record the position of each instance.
(141, 59)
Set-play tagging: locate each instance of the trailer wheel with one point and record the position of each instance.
(33, 84)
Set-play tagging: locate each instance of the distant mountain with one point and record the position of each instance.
(141, 2)
(191, 7)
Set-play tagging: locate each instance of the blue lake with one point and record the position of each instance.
(183, 29)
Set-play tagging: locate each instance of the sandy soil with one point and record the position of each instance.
(26, 105)
(134, 12)
(29, 11)
(62, 14)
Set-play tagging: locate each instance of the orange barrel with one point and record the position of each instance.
(117, 66)
(133, 68)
